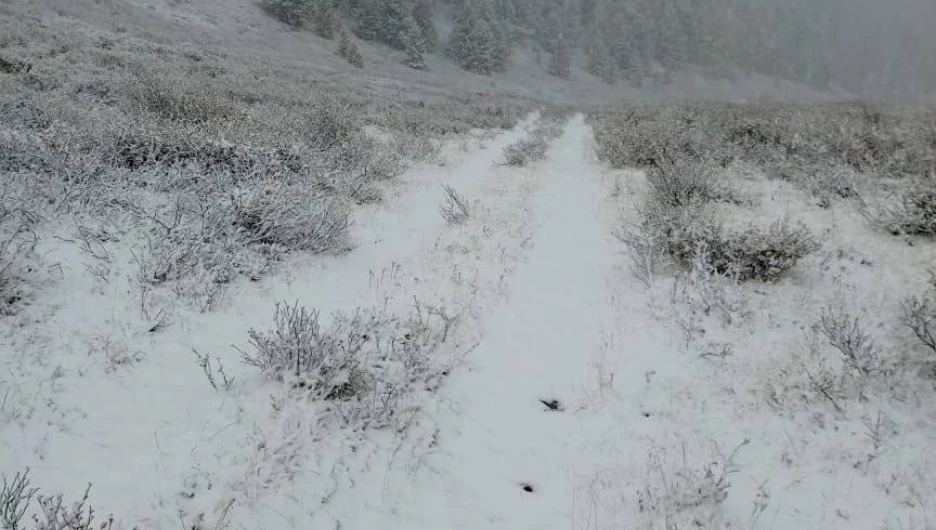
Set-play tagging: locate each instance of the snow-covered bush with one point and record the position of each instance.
(677, 185)
(177, 99)
(9, 283)
(693, 237)
(457, 115)
(749, 254)
(525, 150)
(16, 247)
(454, 208)
(16, 499)
(641, 137)
(362, 363)
(207, 236)
(533, 148)
(919, 315)
(799, 143)
(846, 335)
(58, 515)
(682, 494)
(282, 219)
(915, 214)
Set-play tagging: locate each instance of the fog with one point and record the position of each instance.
(867, 48)
(873, 48)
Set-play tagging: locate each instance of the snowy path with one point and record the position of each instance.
(538, 345)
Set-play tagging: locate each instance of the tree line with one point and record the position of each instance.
(861, 47)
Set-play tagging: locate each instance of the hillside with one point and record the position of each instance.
(236, 40)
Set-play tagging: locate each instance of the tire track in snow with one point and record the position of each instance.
(539, 345)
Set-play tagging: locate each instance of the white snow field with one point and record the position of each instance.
(575, 398)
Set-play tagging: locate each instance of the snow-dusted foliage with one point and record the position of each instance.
(533, 147)
(363, 360)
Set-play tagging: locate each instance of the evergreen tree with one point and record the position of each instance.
(324, 21)
(600, 62)
(348, 49)
(369, 16)
(622, 26)
(561, 66)
(291, 12)
(671, 37)
(412, 42)
(422, 14)
(477, 42)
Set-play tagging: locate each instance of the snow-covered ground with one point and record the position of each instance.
(646, 432)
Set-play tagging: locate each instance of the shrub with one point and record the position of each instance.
(13, 66)
(548, 127)
(642, 137)
(679, 185)
(856, 346)
(177, 99)
(524, 151)
(919, 315)
(17, 495)
(916, 212)
(361, 364)
(299, 348)
(283, 218)
(749, 254)
(684, 495)
(16, 243)
(10, 292)
(455, 209)
(208, 235)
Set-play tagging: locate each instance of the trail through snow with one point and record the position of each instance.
(538, 346)
(497, 438)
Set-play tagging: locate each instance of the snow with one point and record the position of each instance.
(548, 309)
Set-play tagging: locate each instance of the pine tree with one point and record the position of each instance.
(348, 49)
(411, 38)
(622, 24)
(477, 43)
(561, 66)
(422, 14)
(600, 62)
(369, 17)
(324, 21)
(291, 12)
(671, 43)
(600, 28)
